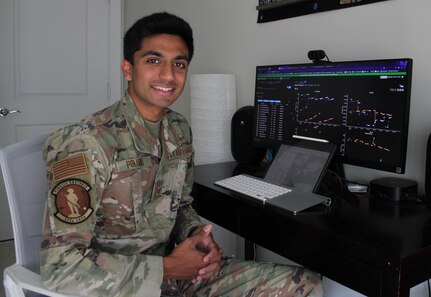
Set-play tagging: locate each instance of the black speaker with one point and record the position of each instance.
(428, 169)
(242, 148)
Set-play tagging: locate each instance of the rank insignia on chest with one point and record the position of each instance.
(72, 201)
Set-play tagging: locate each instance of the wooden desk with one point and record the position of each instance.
(373, 247)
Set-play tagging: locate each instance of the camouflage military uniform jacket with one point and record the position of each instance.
(116, 196)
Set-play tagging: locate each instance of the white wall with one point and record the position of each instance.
(229, 40)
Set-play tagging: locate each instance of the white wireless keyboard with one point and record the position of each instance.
(252, 187)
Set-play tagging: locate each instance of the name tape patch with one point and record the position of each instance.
(184, 150)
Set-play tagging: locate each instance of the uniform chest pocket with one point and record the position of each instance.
(162, 211)
(123, 203)
(169, 188)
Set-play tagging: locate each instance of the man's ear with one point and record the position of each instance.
(127, 68)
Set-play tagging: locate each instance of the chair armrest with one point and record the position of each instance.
(17, 277)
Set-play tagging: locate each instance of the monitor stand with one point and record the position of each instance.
(333, 182)
(338, 168)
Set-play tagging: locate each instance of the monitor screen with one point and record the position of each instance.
(361, 106)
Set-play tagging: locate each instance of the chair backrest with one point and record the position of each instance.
(25, 180)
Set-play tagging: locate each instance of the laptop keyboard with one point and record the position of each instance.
(252, 187)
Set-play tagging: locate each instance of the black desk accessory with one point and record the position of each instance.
(394, 189)
(243, 151)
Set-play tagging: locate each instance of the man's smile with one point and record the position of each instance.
(163, 89)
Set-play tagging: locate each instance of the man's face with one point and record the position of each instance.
(158, 75)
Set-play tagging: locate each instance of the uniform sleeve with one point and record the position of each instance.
(77, 172)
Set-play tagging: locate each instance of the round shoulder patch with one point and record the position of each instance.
(72, 201)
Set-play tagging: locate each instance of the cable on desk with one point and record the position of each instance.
(338, 180)
(335, 186)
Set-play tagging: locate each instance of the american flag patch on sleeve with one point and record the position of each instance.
(69, 167)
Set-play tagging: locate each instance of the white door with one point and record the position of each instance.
(58, 60)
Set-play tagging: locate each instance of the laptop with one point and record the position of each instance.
(299, 165)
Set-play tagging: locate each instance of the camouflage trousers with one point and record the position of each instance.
(250, 279)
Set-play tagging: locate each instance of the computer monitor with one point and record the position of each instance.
(361, 106)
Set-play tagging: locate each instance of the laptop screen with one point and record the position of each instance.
(300, 165)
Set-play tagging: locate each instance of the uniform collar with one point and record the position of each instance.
(170, 133)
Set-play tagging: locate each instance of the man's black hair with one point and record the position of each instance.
(157, 23)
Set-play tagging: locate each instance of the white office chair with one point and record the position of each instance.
(24, 177)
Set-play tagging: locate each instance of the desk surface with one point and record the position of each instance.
(374, 247)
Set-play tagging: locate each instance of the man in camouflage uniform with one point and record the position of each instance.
(119, 220)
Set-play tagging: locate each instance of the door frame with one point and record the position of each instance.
(116, 28)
